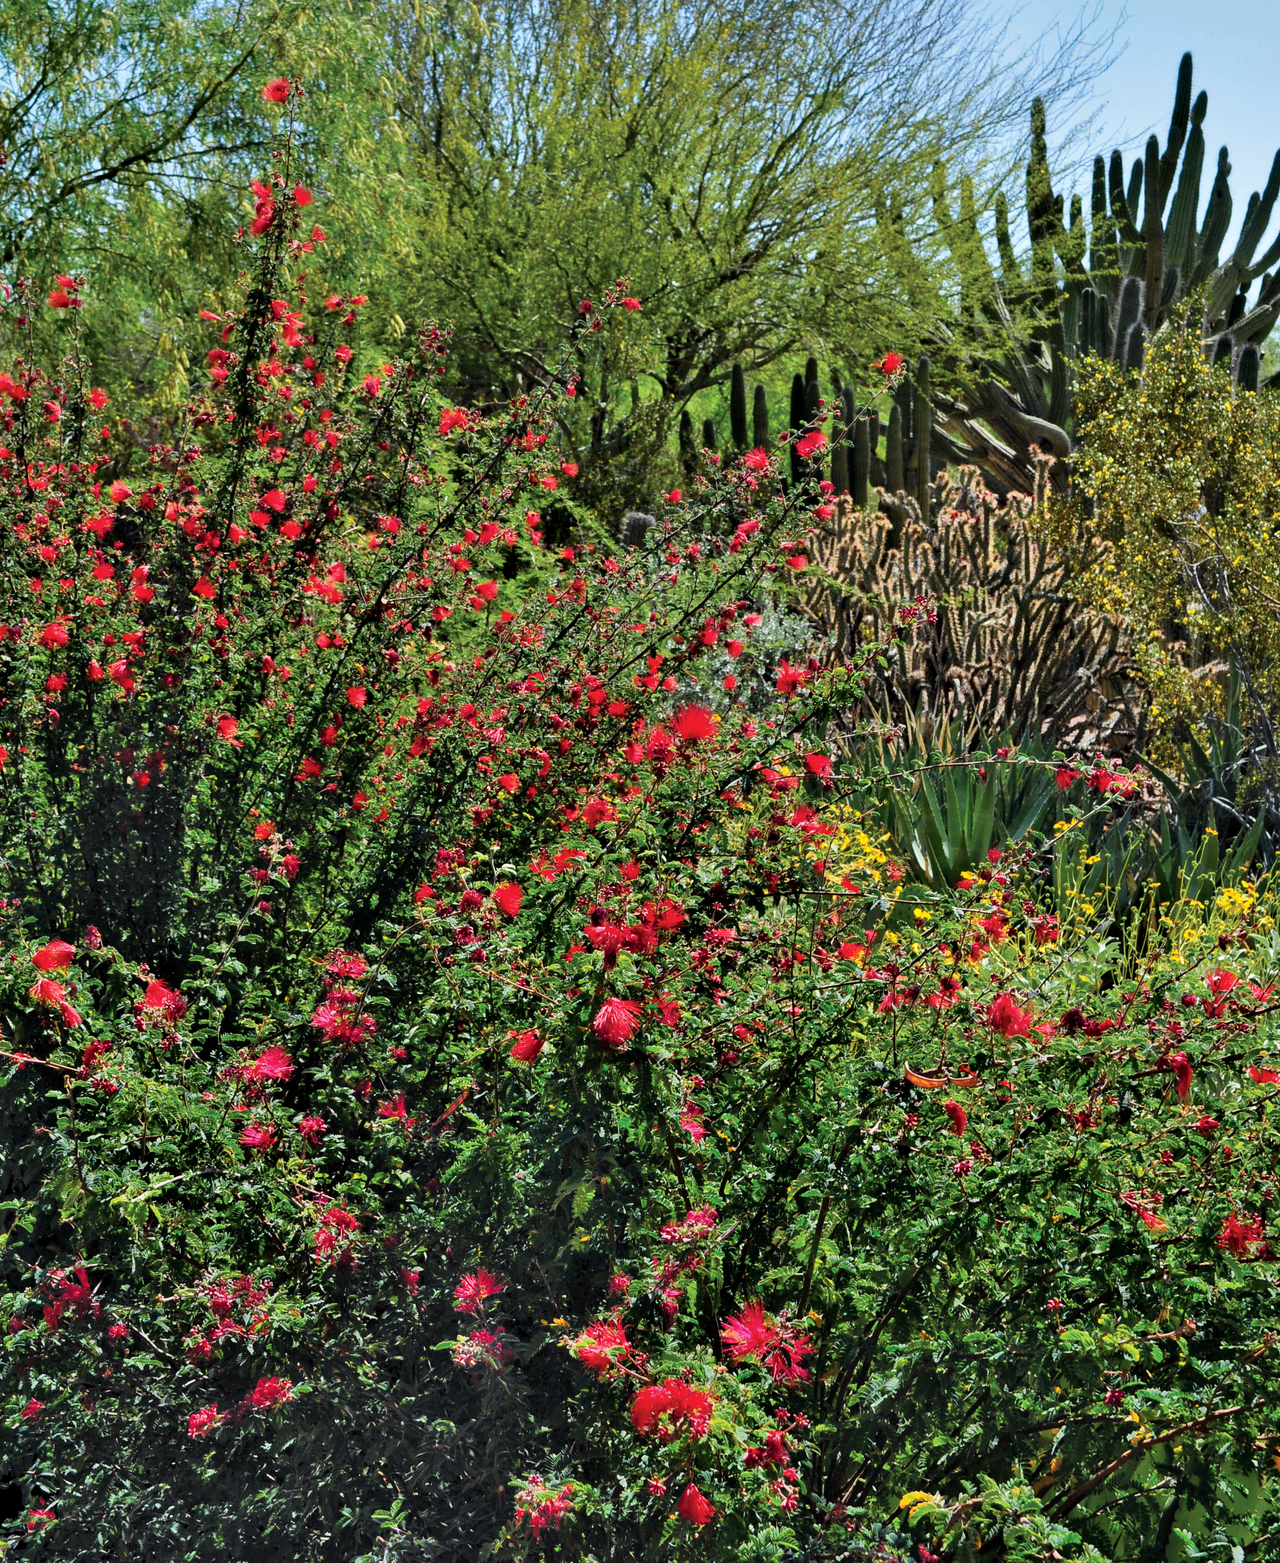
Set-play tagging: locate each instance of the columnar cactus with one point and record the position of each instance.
(1105, 291)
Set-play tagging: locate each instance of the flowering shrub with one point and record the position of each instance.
(472, 1093)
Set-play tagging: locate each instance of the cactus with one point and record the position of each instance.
(1103, 292)
(798, 399)
(760, 419)
(708, 434)
(688, 450)
(1011, 649)
(860, 464)
(922, 418)
(738, 407)
(895, 472)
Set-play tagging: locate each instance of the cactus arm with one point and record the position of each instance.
(1179, 240)
(1217, 216)
(1177, 128)
(1119, 205)
(1153, 237)
(1010, 271)
(738, 407)
(923, 428)
(760, 418)
(1257, 218)
(1034, 431)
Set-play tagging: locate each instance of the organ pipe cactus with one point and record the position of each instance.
(1103, 288)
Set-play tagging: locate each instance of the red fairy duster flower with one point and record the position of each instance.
(694, 724)
(56, 956)
(959, 1118)
(749, 1333)
(810, 444)
(890, 363)
(452, 418)
(775, 1343)
(49, 994)
(1005, 1017)
(616, 1022)
(258, 1137)
(603, 1347)
(228, 727)
(820, 766)
(274, 1064)
(509, 898)
(276, 91)
(694, 1508)
(527, 1046)
(1183, 1073)
(1237, 1237)
(200, 1423)
(670, 1408)
(269, 1392)
(470, 1293)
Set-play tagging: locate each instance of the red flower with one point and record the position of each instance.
(616, 1022)
(890, 364)
(258, 1137)
(670, 1408)
(1238, 1237)
(820, 766)
(1181, 1066)
(1004, 1016)
(959, 1118)
(55, 956)
(356, 696)
(1220, 983)
(810, 444)
(228, 727)
(199, 1423)
(527, 1046)
(694, 724)
(1065, 778)
(454, 418)
(603, 1347)
(311, 1129)
(269, 1392)
(775, 1343)
(301, 195)
(694, 1508)
(631, 305)
(52, 995)
(756, 460)
(274, 1064)
(276, 91)
(1264, 1076)
(470, 1293)
(509, 898)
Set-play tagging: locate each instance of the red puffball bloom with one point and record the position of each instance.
(302, 195)
(670, 1408)
(470, 1293)
(509, 898)
(56, 956)
(694, 724)
(959, 1118)
(631, 305)
(1005, 1017)
(527, 1046)
(694, 1508)
(890, 363)
(616, 1022)
(276, 91)
(274, 1064)
(258, 1137)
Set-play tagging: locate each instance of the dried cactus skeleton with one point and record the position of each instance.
(1011, 649)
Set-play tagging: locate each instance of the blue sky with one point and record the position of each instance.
(1236, 48)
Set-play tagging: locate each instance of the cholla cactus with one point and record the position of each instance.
(1011, 649)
